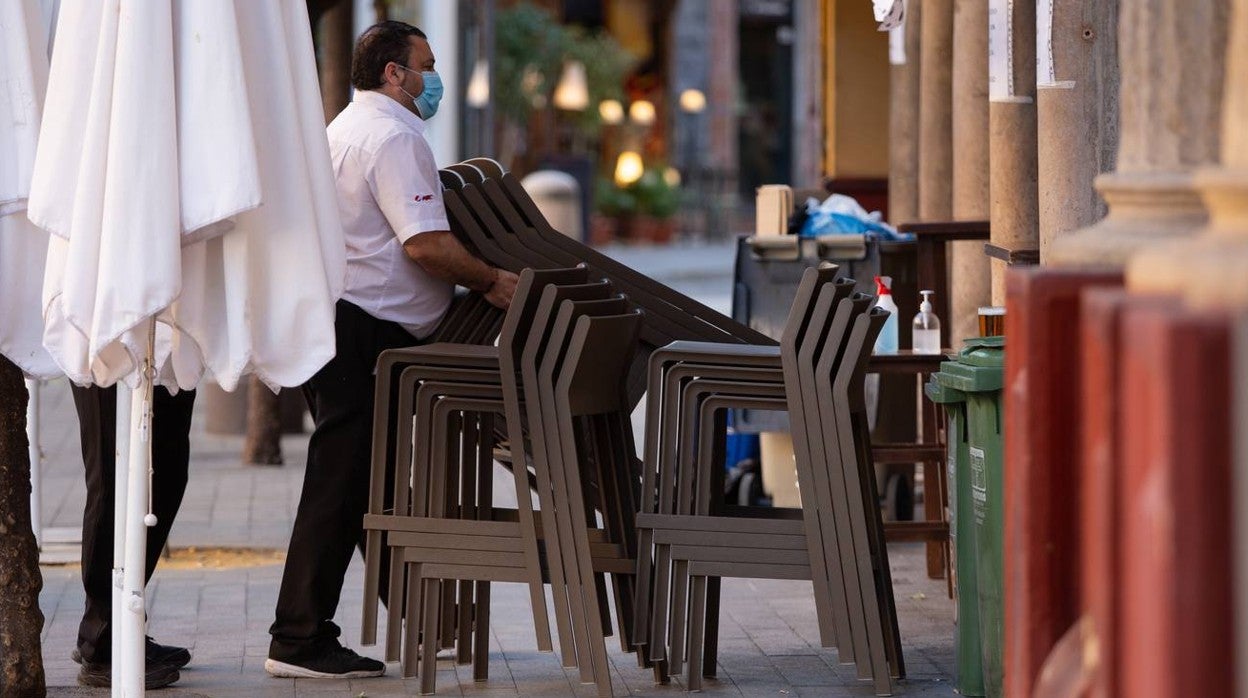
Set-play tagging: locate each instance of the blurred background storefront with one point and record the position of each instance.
(668, 113)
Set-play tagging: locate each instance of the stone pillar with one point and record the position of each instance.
(1170, 56)
(335, 44)
(440, 20)
(1013, 209)
(1077, 111)
(969, 273)
(935, 111)
(903, 116)
(1212, 270)
(721, 103)
(807, 96)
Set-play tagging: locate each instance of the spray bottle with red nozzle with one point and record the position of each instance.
(886, 342)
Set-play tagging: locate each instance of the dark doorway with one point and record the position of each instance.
(766, 68)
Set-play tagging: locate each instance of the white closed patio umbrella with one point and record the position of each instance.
(23, 247)
(184, 175)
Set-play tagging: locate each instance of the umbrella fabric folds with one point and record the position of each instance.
(23, 247)
(184, 175)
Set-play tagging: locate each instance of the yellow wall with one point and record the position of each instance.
(856, 91)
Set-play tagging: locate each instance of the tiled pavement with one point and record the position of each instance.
(768, 647)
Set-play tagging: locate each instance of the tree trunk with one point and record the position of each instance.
(263, 443)
(334, 41)
(21, 621)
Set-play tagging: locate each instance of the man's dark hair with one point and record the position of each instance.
(378, 45)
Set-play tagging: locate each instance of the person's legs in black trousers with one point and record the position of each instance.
(97, 419)
(330, 519)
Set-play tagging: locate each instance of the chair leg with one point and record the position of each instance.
(679, 616)
(463, 624)
(659, 604)
(481, 634)
(710, 652)
(394, 610)
(697, 629)
(429, 649)
(411, 640)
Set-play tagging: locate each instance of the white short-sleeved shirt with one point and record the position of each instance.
(388, 191)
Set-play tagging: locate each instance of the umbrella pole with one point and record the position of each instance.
(36, 460)
(133, 614)
(121, 456)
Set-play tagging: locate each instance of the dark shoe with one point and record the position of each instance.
(177, 657)
(154, 653)
(330, 660)
(100, 675)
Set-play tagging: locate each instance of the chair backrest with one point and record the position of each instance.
(470, 173)
(852, 376)
(808, 288)
(552, 362)
(451, 180)
(529, 294)
(599, 351)
(511, 353)
(488, 166)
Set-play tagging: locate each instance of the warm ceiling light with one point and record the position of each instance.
(572, 92)
(692, 100)
(478, 94)
(641, 112)
(611, 111)
(671, 175)
(628, 168)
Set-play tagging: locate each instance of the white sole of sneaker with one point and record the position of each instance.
(282, 670)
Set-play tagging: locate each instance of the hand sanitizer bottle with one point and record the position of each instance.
(926, 327)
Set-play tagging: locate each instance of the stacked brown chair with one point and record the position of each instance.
(443, 530)
(697, 539)
(671, 368)
(392, 444)
(498, 218)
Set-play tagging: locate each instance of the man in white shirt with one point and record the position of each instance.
(402, 266)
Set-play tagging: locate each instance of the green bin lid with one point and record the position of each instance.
(979, 366)
(942, 394)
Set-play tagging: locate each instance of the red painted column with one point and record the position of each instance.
(1103, 335)
(1042, 439)
(1174, 525)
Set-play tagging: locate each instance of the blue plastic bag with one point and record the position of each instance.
(840, 214)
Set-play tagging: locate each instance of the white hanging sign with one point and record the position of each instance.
(1045, 76)
(889, 13)
(897, 45)
(1000, 50)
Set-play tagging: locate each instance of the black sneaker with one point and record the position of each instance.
(100, 675)
(154, 653)
(330, 661)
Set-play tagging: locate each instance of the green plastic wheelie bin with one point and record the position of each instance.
(979, 373)
(970, 666)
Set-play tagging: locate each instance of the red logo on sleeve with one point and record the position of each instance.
(424, 197)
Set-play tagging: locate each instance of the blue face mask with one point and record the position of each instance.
(427, 102)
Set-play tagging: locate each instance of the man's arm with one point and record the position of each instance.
(442, 255)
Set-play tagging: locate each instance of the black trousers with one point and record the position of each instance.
(171, 452)
(330, 519)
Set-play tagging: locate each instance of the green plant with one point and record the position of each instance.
(654, 195)
(529, 45)
(530, 48)
(606, 64)
(610, 200)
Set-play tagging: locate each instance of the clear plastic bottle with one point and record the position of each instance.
(886, 342)
(926, 327)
